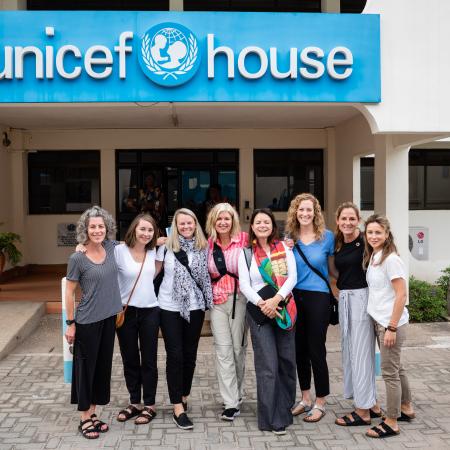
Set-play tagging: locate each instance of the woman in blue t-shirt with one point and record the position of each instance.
(306, 226)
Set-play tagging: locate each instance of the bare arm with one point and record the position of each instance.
(399, 285)
(332, 268)
(70, 307)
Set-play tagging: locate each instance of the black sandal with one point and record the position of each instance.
(88, 430)
(383, 431)
(376, 415)
(356, 422)
(406, 417)
(98, 424)
(147, 414)
(129, 412)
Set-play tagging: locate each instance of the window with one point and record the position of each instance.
(429, 180)
(253, 5)
(282, 174)
(99, 5)
(63, 181)
(367, 184)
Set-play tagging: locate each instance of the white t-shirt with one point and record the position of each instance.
(144, 293)
(381, 292)
(251, 282)
(165, 296)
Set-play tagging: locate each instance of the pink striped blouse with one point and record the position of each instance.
(225, 286)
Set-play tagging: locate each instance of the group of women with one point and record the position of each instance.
(278, 289)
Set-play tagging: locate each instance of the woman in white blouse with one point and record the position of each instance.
(386, 278)
(268, 264)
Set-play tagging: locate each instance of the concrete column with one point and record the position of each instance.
(357, 181)
(176, 5)
(12, 5)
(331, 6)
(108, 180)
(330, 177)
(246, 177)
(392, 190)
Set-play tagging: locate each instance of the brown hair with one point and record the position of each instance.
(292, 224)
(130, 236)
(388, 246)
(273, 236)
(338, 236)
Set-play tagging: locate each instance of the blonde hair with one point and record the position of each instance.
(388, 246)
(338, 236)
(213, 216)
(292, 224)
(173, 241)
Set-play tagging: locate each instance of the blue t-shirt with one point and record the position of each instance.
(317, 253)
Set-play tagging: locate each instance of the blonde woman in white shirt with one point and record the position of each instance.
(386, 278)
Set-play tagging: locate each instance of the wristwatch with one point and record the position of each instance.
(391, 328)
(69, 322)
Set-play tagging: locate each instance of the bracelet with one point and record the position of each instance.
(391, 328)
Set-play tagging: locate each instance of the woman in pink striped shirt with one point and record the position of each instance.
(228, 315)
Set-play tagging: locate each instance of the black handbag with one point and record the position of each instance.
(334, 306)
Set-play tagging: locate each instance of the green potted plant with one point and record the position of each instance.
(8, 249)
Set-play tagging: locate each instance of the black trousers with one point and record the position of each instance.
(181, 342)
(92, 363)
(311, 334)
(138, 340)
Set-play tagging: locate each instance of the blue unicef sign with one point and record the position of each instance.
(188, 56)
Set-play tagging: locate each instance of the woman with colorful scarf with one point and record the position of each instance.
(269, 266)
(184, 296)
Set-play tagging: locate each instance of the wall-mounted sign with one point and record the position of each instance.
(98, 56)
(67, 235)
(419, 242)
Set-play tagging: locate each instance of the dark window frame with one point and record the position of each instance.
(52, 164)
(290, 165)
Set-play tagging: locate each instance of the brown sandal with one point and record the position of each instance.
(129, 412)
(146, 416)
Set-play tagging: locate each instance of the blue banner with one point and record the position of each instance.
(106, 56)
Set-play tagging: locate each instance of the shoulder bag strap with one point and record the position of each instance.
(135, 283)
(316, 271)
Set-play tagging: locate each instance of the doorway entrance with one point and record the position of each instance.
(161, 181)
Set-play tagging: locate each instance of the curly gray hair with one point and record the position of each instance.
(83, 223)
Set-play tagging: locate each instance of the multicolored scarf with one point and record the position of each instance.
(274, 271)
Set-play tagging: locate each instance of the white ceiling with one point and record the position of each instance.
(167, 115)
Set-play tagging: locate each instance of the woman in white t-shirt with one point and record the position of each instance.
(138, 336)
(386, 279)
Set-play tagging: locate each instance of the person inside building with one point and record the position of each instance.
(356, 326)
(267, 274)
(225, 243)
(91, 328)
(138, 335)
(314, 245)
(386, 278)
(184, 296)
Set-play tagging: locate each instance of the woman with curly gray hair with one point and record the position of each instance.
(91, 327)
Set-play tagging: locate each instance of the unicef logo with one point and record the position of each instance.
(169, 54)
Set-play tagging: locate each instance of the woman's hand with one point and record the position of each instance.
(70, 333)
(161, 241)
(270, 307)
(289, 243)
(389, 338)
(80, 248)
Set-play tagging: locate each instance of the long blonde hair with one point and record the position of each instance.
(214, 215)
(173, 241)
(338, 236)
(292, 224)
(388, 246)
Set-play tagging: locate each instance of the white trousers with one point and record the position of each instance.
(230, 353)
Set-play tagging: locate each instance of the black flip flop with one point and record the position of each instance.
(356, 422)
(384, 432)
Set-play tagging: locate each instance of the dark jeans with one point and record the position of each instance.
(92, 362)
(138, 340)
(311, 334)
(181, 342)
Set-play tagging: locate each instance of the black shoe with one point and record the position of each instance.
(229, 414)
(279, 431)
(239, 403)
(183, 421)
